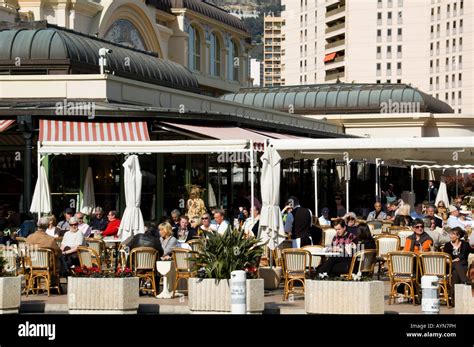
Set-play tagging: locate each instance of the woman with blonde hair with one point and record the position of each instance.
(53, 230)
(168, 241)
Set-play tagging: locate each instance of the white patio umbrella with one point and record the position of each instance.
(132, 219)
(88, 195)
(271, 227)
(442, 193)
(41, 202)
(212, 197)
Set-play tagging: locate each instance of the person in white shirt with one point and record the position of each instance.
(453, 220)
(249, 224)
(84, 228)
(71, 240)
(324, 219)
(221, 225)
(53, 230)
(377, 214)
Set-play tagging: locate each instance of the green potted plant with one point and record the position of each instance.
(10, 287)
(92, 291)
(342, 295)
(220, 255)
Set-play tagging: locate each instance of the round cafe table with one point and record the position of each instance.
(166, 269)
(113, 244)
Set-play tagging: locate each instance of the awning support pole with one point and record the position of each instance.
(348, 179)
(411, 178)
(377, 179)
(316, 178)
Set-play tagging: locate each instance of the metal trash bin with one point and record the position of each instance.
(430, 299)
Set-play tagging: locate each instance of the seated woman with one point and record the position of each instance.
(53, 230)
(168, 241)
(459, 251)
(403, 218)
(344, 242)
(351, 223)
(71, 240)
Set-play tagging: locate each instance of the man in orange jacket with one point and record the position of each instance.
(420, 241)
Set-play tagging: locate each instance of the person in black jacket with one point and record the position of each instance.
(459, 251)
(298, 223)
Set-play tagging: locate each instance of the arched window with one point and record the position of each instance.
(234, 61)
(194, 47)
(215, 61)
(125, 33)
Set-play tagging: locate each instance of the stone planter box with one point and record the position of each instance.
(102, 295)
(271, 276)
(10, 293)
(344, 297)
(463, 299)
(210, 296)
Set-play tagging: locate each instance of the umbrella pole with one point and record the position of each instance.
(316, 207)
(252, 192)
(38, 178)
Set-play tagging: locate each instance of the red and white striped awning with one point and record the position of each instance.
(5, 124)
(57, 130)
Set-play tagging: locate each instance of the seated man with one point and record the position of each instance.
(84, 228)
(64, 224)
(419, 241)
(221, 225)
(42, 240)
(71, 240)
(377, 214)
(344, 243)
(145, 240)
(430, 213)
(113, 225)
(418, 213)
(99, 220)
(324, 220)
(453, 220)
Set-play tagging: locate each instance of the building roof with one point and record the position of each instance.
(48, 42)
(205, 8)
(341, 98)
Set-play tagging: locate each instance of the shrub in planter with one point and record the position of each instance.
(90, 291)
(220, 255)
(10, 289)
(342, 296)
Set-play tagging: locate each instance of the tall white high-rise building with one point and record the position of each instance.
(426, 43)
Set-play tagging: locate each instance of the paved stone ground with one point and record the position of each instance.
(274, 304)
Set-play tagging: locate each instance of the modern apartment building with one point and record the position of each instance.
(256, 72)
(272, 53)
(426, 43)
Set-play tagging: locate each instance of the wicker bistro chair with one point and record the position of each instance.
(385, 243)
(42, 266)
(328, 235)
(196, 245)
(296, 263)
(88, 257)
(99, 247)
(366, 263)
(315, 258)
(143, 264)
(403, 234)
(403, 269)
(394, 230)
(440, 265)
(386, 226)
(277, 252)
(184, 267)
(375, 226)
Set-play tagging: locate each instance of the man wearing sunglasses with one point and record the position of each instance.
(420, 241)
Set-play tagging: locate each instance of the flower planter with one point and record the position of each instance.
(208, 296)
(102, 295)
(271, 276)
(344, 297)
(463, 299)
(10, 293)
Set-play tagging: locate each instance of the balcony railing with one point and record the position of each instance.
(335, 27)
(335, 11)
(334, 76)
(335, 44)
